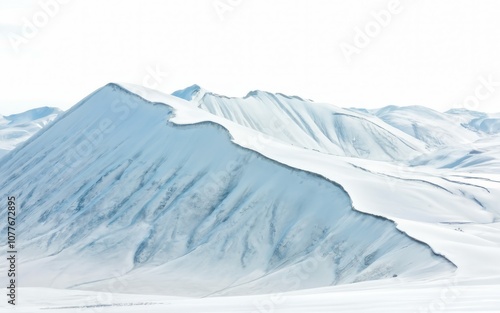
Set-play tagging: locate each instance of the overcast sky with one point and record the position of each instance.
(370, 54)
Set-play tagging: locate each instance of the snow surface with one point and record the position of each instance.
(17, 128)
(382, 296)
(434, 128)
(196, 194)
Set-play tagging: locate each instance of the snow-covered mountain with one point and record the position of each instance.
(198, 194)
(322, 127)
(183, 210)
(17, 128)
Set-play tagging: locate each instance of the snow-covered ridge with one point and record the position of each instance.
(316, 126)
(414, 135)
(454, 127)
(457, 138)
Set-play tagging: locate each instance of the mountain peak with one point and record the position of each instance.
(189, 93)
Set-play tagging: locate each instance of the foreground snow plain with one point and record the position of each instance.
(452, 211)
(442, 295)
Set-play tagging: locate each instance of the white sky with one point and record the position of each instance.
(432, 53)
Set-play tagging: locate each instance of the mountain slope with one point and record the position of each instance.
(434, 128)
(125, 197)
(17, 128)
(315, 126)
(454, 127)
(458, 138)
